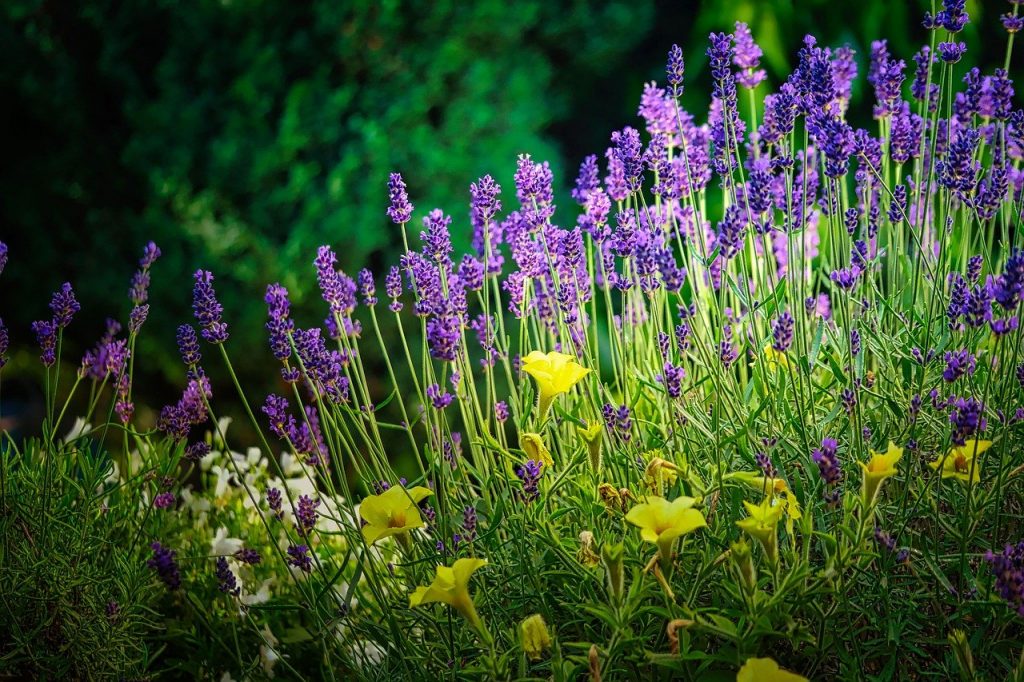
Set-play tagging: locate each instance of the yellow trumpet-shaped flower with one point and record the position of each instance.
(555, 373)
(760, 524)
(880, 467)
(533, 445)
(591, 437)
(393, 512)
(451, 587)
(661, 521)
(758, 481)
(962, 462)
(766, 670)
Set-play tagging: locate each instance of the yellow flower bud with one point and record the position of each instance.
(535, 637)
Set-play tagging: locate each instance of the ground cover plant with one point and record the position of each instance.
(752, 412)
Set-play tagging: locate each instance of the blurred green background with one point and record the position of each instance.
(241, 134)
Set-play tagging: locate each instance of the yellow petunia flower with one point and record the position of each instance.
(962, 462)
(393, 512)
(766, 670)
(555, 373)
(533, 445)
(760, 524)
(451, 587)
(880, 467)
(661, 522)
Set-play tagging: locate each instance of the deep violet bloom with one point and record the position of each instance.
(166, 567)
(207, 309)
(400, 210)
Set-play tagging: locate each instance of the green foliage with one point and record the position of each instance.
(75, 597)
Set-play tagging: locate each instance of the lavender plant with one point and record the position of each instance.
(755, 411)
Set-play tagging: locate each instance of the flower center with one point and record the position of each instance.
(960, 463)
(397, 519)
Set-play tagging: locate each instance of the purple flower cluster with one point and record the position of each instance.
(176, 420)
(827, 459)
(1008, 569)
(207, 309)
(529, 475)
(227, 583)
(305, 515)
(163, 562)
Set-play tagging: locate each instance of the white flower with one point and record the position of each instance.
(367, 653)
(78, 429)
(261, 596)
(223, 480)
(268, 653)
(222, 545)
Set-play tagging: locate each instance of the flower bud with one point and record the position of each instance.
(535, 637)
(611, 555)
(591, 437)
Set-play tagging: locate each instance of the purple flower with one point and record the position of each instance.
(782, 332)
(849, 400)
(3, 256)
(337, 289)
(46, 335)
(628, 151)
(1012, 24)
(400, 209)
(953, 16)
(501, 410)
(673, 72)
(959, 170)
(469, 522)
(305, 515)
(443, 336)
(618, 421)
(764, 463)
(207, 309)
(139, 290)
(1008, 569)
(730, 231)
(831, 472)
(276, 409)
(747, 57)
(188, 346)
(967, 418)
(845, 278)
(279, 325)
(437, 241)
(248, 556)
(1003, 327)
(274, 502)
(5, 341)
(951, 53)
(672, 377)
(228, 584)
(439, 397)
(196, 451)
(529, 475)
(587, 181)
(854, 342)
(64, 306)
(165, 566)
(393, 287)
(299, 557)
(164, 500)
(726, 352)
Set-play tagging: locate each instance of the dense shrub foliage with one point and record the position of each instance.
(752, 411)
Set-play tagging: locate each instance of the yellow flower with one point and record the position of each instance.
(760, 524)
(591, 437)
(535, 636)
(661, 521)
(766, 670)
(533, 445)
(393, 512)
(451, 587)
(758, 481)
(775, 359)
(880, 467)
(960, 462)
(660, 473)
(587, 556)
(555, 373)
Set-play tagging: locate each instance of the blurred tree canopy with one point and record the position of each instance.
(241, 134)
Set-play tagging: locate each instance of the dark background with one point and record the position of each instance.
(241, 134)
